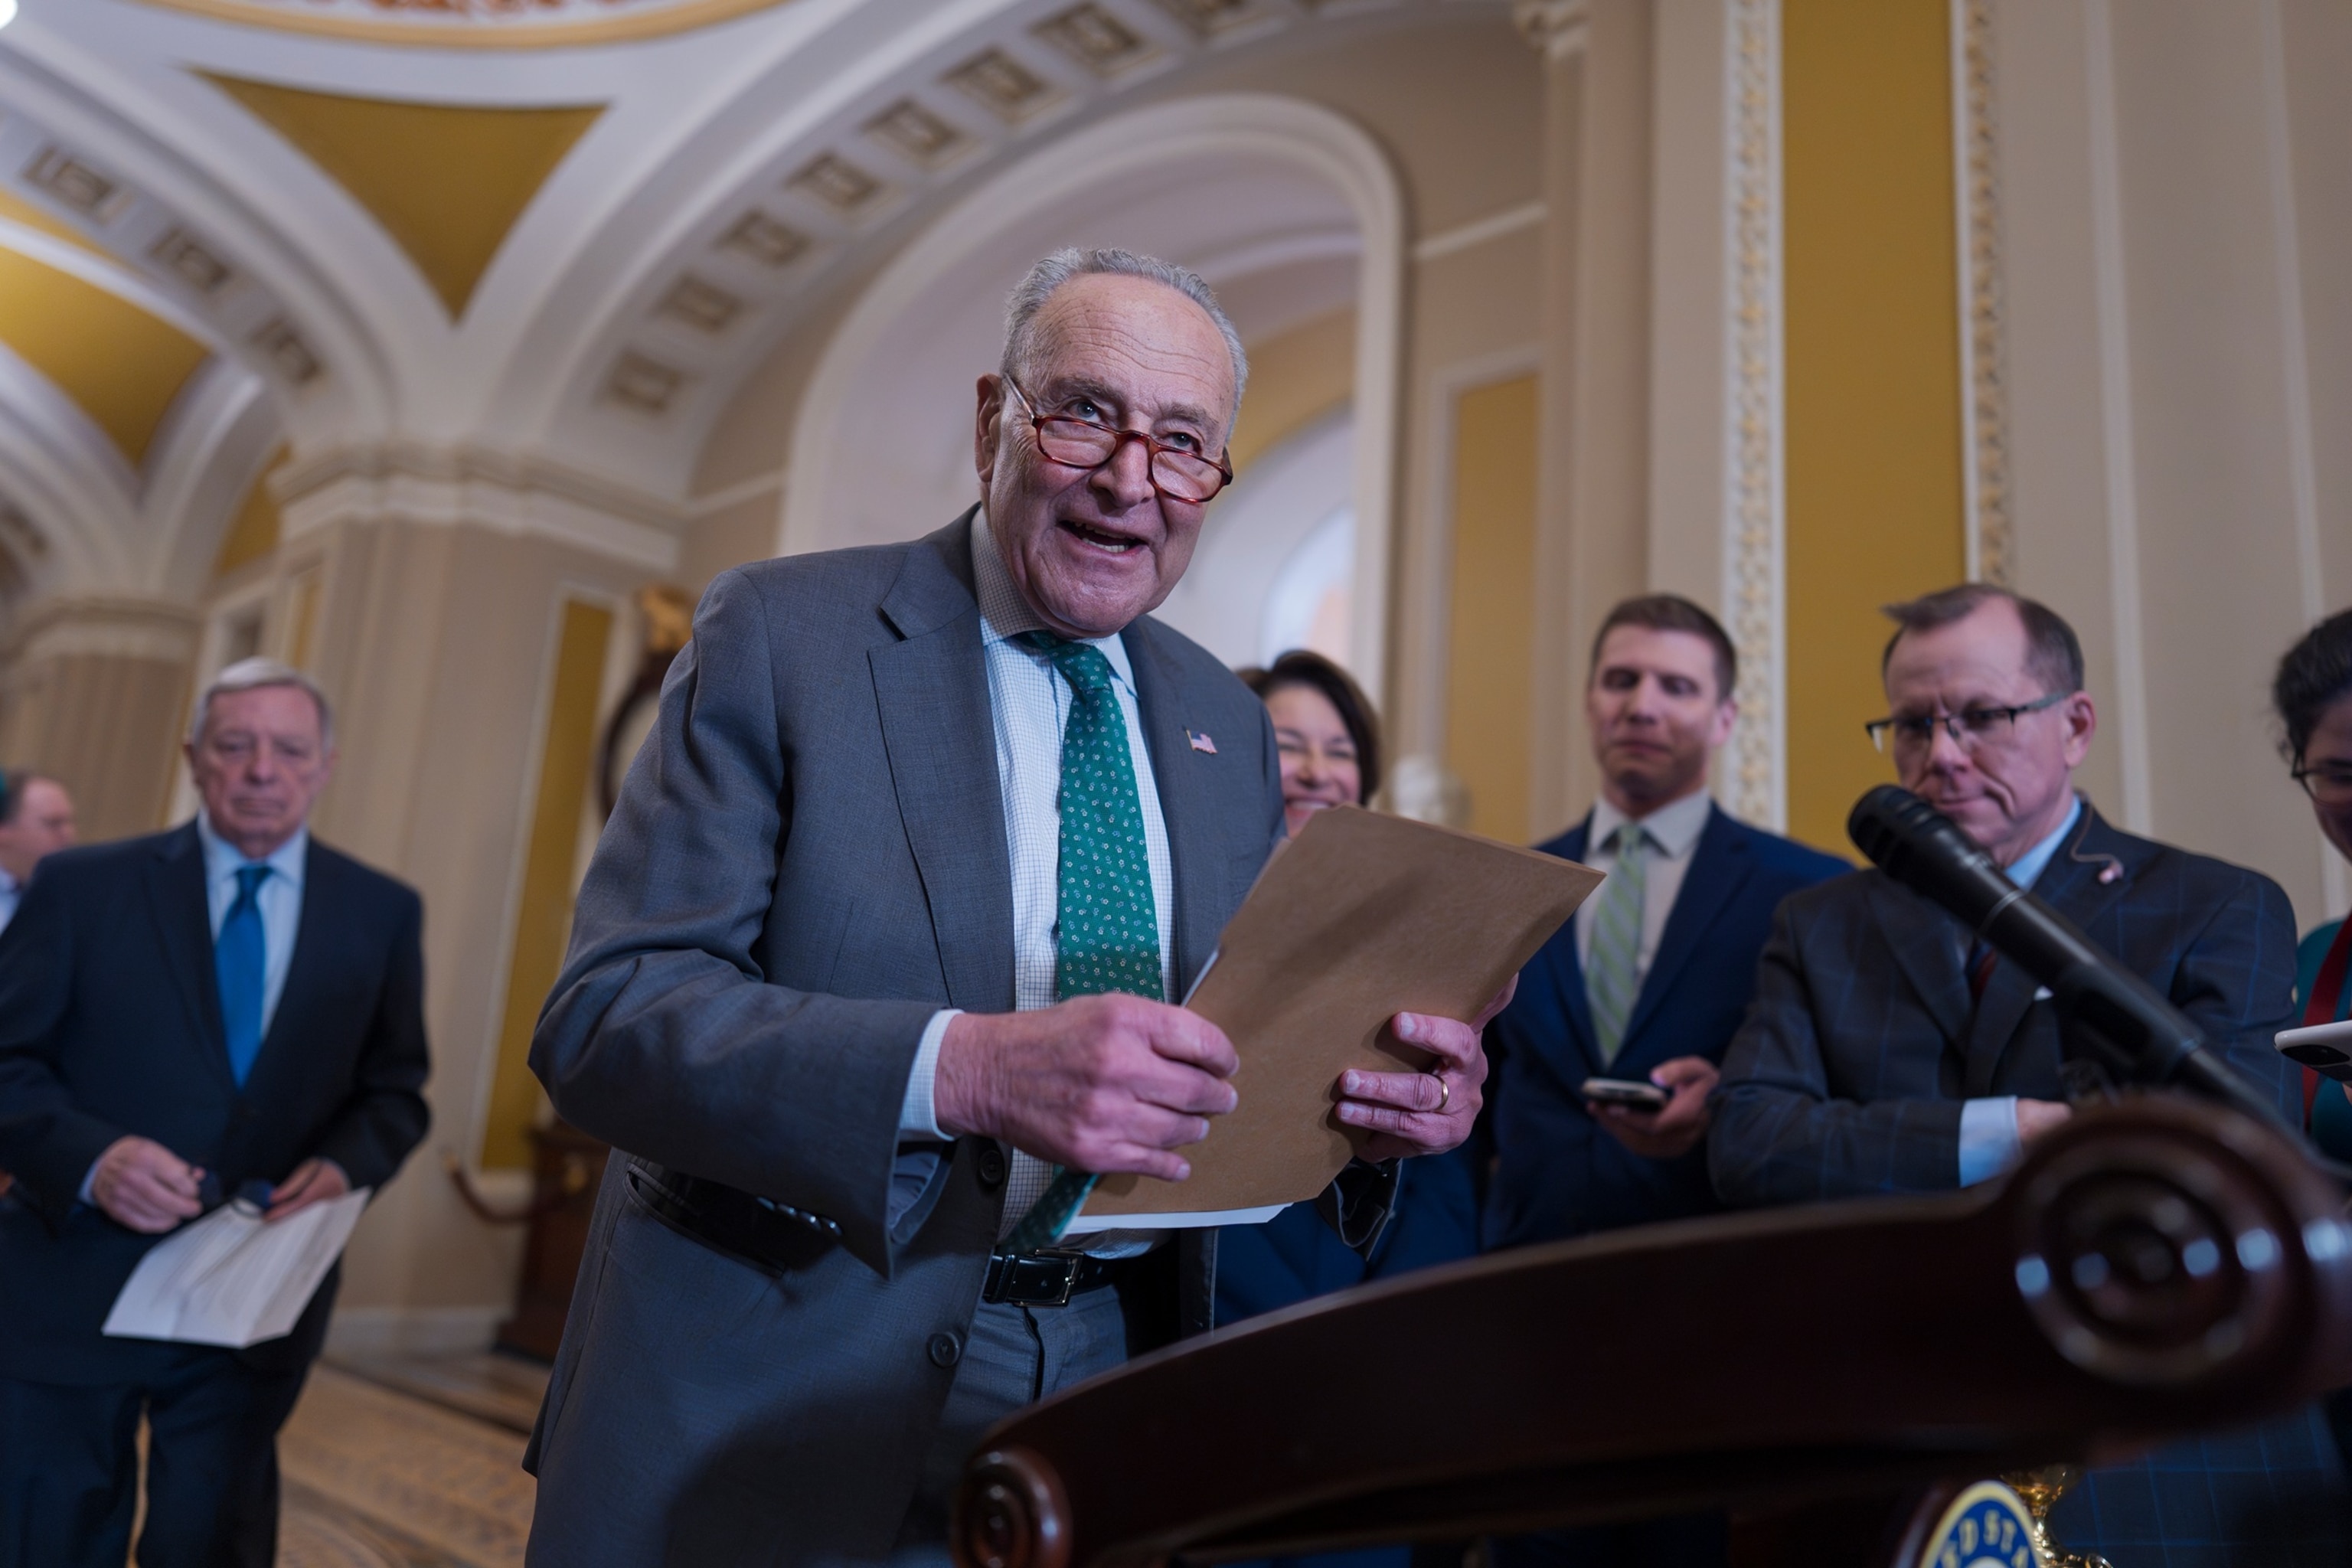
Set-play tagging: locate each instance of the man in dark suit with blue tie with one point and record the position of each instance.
(1890, 1051)
(1647, 983)
(230, 1008)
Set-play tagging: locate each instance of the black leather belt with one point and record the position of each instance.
(761, 1232)
(1044, 1278)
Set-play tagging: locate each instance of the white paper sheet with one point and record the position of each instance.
(1086, 1224)
(231, 1278)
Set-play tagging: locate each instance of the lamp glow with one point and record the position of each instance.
(7, 12)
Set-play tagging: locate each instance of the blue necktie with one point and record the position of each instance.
(239, 958)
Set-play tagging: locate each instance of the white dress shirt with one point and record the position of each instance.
(1674, 831)
(1031, 701)
(280, 898)
(1989, 1139)
(12, 893)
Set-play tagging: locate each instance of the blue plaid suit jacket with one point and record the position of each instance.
(1848, 1076)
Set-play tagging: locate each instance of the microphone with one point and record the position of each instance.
(2112, 1016)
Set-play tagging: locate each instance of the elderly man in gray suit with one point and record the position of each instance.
(876, 958)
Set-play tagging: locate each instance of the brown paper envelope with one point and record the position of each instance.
(1361, 917)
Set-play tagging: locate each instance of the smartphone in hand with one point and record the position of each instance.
(1628, 1092)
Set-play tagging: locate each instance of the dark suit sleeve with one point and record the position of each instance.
(385, 1116)
(46, 1141)
(661, 1035)
(1780, 1133)
(2236, 980)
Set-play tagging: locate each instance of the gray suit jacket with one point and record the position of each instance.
(807, 860)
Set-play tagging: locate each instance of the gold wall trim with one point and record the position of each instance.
(543, 914)
(1754, 588)
(446, 182)
(481, 30)
(1992, 540)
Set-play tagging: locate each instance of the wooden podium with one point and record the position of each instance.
(1828, 1373)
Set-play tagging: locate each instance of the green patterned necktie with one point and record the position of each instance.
(1107, 923)
(1612, 975)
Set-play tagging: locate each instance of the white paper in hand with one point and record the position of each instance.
(232, 1278)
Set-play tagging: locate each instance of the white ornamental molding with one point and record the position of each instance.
(1555, 26)
(1984, 386)
(1755, 590)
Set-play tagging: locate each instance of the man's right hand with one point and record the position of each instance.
(141, 1183)
(1098, 1083)
(2036, 1117)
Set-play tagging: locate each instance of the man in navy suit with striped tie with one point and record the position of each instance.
(227, 1009)
(1648, 982)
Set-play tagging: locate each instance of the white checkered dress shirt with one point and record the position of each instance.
(1031, 703)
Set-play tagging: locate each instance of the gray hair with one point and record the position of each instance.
(1069, 262)
(252, 675)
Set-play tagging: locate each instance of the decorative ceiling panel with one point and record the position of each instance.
(121, 365)
(477, 24)
(446, 182)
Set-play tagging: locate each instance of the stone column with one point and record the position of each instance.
(94, 691)
(1592, 494)
(444, 582)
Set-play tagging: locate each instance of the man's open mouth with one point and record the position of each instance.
(1101, 538)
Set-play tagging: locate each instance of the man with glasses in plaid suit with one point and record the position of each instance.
(1888, 1052)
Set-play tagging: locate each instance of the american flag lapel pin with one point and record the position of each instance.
(1200, 741)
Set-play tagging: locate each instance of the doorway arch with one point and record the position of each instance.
(1240, 186)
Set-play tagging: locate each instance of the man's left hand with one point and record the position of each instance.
(1674, 1129)
(313, 1182)
(1423, 1112)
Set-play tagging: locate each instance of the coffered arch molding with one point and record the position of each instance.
(1324, 145)
(158, 161)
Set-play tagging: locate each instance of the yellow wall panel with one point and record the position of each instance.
(1876, 508)
(253, 532)
(543, 920)
(121, 365)
(1489, 681)
(1295, 377)
(446, 182)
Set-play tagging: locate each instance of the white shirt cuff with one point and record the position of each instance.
(917, 1123)
(1989, 1142)
(89, 1185)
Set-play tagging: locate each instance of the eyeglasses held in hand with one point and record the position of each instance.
(1177, 472)
(1970, 728)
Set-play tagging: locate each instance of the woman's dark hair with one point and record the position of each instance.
(2316, 675)
(1312, 670)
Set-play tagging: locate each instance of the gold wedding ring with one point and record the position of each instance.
(1445, 1094)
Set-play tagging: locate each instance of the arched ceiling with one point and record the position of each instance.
(560, 232)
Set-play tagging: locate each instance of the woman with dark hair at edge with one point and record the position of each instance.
(1329, 743)
(2313, 695)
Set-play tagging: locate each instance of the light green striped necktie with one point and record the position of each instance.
(1612, 976)
(1107, 922)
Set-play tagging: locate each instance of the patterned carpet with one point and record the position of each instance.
(414, 1465)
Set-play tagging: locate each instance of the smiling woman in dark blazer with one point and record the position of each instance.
(1329, 741)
